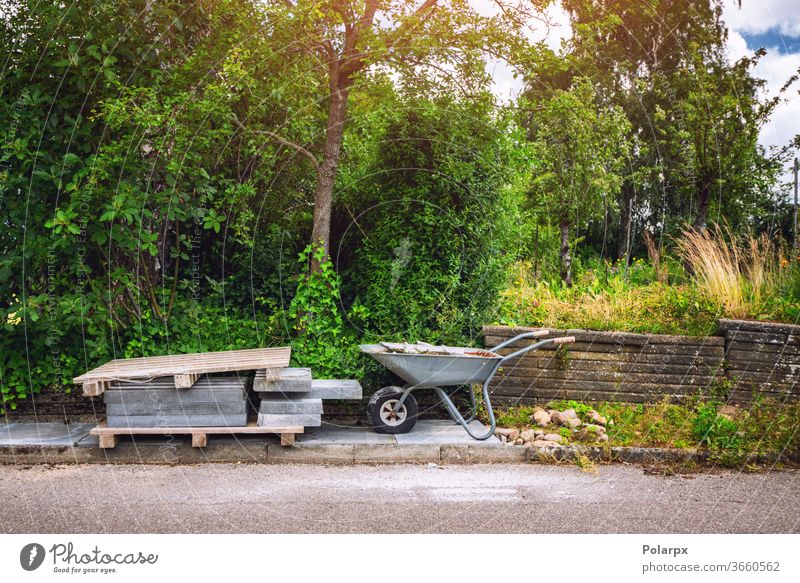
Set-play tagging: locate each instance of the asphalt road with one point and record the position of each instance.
(232, 498)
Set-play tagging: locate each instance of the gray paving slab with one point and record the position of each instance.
(336, 389)
(200, 395)
(279, 403)
(176, 408)
(39, 434)
(281, 420)
(291, 380)
(445, 432)
(238, 420)
(344, 435)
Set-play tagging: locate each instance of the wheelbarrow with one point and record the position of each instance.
(394, 409)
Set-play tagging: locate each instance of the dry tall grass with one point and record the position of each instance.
(737, 273)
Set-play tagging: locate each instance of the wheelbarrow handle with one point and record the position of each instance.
(523, 336)
(534, 346)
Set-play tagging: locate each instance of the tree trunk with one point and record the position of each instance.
(703, 198)
(566, 258)
(323, 200)
(624, 234)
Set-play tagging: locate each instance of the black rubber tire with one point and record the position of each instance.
(377, 401)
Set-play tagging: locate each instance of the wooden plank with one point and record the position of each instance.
(777, 349)
(653, 349)
(199, 439)
(761, 337)
(287, 439)
(94, 389)
(185, 364)
(522, 369)
(108, 441)
(751, 326)
(746, 396)
(608, 376)
(539, 396)
(765, 377)
(186, 381)
(751, 355)
(250, 428)
(535, 384)
(549, 359)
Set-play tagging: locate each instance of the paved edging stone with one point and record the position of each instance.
(347, 454)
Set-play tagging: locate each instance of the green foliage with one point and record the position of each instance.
(158, 167)
(713, 430)
(434, 226)
(604, 297)
(321, 341)
(581, 150)
(732, 436)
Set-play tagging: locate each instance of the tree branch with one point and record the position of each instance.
(298, 148)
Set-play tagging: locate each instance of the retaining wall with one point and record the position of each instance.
(745, 359)
(762, 358)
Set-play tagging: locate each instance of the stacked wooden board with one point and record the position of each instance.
(210, 402)
(174, 395)
(292, 397)
(186, 369)
(608, 366)
(762, 359)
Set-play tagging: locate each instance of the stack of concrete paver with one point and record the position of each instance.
(291, 397)
(210, 402)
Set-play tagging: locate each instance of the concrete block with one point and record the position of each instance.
(492, 455)
(400, 454)
(441, 432)
(237, 420)
(43, 434)
(337, 434)
(336, 389)
(331, 453)
(454, 454)
(279, 403)
(288, 420)
(203, 395)
(155, 409)
(291, 380)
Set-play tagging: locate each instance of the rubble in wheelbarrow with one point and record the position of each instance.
(433, 350)
(553, 427)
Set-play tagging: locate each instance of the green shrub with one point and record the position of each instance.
(321, 341)
(713, 430)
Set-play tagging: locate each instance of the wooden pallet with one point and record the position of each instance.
(110, 435)
(185, 368)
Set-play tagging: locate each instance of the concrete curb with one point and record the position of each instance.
(348, 454)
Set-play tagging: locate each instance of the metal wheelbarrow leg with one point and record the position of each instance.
(456, 415)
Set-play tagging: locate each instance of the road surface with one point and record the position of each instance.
(232, 498)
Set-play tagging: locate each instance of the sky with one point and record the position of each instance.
(771, 24)
(775, 26)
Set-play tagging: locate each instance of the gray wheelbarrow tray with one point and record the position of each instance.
(463, 366)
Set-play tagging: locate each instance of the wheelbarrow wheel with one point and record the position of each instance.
(383, 417)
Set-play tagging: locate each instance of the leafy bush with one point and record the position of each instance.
(713, 430)
(321, 342)
(436, 224)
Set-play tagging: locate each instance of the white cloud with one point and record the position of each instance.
(760, 16)
(781, 17)
(552, 28)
